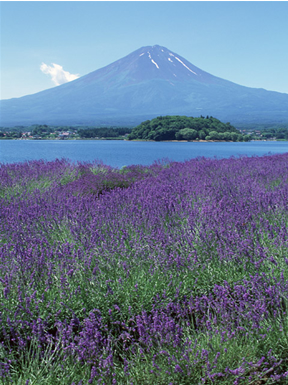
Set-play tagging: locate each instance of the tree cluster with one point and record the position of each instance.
(280, 133)
(186, 128)
(103, 132)
(11, 134)
(46, 131)
(41, 130)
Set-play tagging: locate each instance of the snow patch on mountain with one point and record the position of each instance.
(184, 65)
(152, 61)
(155, 63)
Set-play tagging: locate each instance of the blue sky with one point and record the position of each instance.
(244, 42)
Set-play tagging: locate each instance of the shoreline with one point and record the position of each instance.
(142, 140)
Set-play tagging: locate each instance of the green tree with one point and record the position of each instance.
(221, 136)
(214, 135)
(234, 136)
(202, 134)
(188, 134)
(227, 135)
(267, 135)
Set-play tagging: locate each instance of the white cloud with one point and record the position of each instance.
(58, 75)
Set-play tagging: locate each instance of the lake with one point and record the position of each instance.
(118, 153)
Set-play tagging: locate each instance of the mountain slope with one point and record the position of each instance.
(148, 82)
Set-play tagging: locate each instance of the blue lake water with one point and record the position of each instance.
(120, 153)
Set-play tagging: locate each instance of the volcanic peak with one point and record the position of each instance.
(148, 82)
(163, 54)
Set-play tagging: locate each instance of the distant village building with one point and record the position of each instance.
(64, 135)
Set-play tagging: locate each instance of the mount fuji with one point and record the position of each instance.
(149, 82)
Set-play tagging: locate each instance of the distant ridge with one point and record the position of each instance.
(149, 82)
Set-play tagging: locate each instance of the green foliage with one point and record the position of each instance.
(187, 134)
(44, 131)
(41, 130)
(185, 128)
(103, 132)
(13, 135)
(280, 133)
(214, 135)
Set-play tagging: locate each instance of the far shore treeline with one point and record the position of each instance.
(161, 128)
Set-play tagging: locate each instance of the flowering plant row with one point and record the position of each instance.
(174, 273)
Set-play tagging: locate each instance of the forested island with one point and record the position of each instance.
(186, 128)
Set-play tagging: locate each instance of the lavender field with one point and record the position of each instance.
(169, 274)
